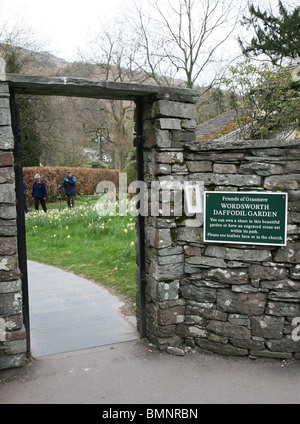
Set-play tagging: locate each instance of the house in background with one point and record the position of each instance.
(218, 127)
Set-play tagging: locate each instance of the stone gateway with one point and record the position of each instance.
(233, 299)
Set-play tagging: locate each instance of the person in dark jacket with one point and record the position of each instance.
(69, 184)
(39, 193)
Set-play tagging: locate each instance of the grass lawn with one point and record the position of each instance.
(81, 241)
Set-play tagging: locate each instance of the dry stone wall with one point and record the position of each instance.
(234, 299)
(12, 331)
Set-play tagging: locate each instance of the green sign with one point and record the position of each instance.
(245, 218)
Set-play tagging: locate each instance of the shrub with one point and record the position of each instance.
(86, 178)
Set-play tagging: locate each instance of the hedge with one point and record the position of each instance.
(86, 178)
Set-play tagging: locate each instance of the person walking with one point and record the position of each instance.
(39, 193)
(69, 184)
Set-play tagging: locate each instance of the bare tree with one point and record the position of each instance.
(184, 38)
(113, 52)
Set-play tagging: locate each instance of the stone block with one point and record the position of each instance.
(282, 182)
(283, 309)
(269, 273)
(220, 168)
(206, 262)
(188, 331)
(8, 228)
(10, 286)
(6, 159)
(177, 250)
(248, 344)
(16, 347)
(162, 169)
(9, 275)
(284, 345)
(4, 102)
(190, 235)
(4, 89)
(199, 166)
(5, 117)
(189, 124)
(175, 351)
(225, 329)
(183, 136)
(157, 138)
(167, 124)
(171, 259)
(11, 304)
(160, 290)
(166, 272)
(288, 254)
(195, 320)
(14, 322)
(7, 175)
(158, 238)
(226, 276)
(267, 327)
(174, 110)
(160, 331)
(18, 335)
(179, 169)
(193, 251)
(295, 272)
(164, 343)
(8, 212)
(268, 354)
(168, 316)
(239, 319)
(262, 169)
(221, 349)
(170, 157)
(284, 296)
(228, 179)
(286, 285)
(251, 304)
(8, 246)
(232, 254)
(199, 294)
(8, 263)
(7, 193)
(12, 361)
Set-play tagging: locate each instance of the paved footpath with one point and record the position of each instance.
(68, 313)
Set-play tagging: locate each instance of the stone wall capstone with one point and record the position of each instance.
(12, 331)
(230, 299)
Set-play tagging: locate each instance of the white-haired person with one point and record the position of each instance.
(39, 193)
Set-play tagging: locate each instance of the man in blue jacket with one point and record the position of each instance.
(69, 184)
(39, 193)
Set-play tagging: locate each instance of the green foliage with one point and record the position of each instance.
(130, 166)
(267, 101)
(276, 36)
(31, 145)
(211, 103)
(98, 164)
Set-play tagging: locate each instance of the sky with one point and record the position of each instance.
(62, 25)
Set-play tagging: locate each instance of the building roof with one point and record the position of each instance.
(215, 127)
